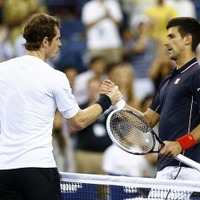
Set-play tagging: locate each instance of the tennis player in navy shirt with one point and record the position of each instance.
(177, 101)
(176, 104)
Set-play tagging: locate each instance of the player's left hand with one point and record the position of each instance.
(106, 86)
(170, 149)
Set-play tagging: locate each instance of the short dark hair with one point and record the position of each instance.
(187, 25)
(38, 27)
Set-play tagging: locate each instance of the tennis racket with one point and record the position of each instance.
(133, 134)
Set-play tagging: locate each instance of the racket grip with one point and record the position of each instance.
(120, 104)
(188, 161)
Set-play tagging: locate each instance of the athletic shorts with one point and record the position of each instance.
(30, 184)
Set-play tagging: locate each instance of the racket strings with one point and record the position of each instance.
(131, 132)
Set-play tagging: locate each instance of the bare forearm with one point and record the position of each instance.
(173, 148)
(86, 117)
(150, 116)
(133, 109)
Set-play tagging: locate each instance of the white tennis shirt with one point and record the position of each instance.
(30, 92)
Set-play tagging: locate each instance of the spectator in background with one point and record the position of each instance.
(161, 67)
(73, 39)
(16, 12)
(159, 15)
(140, 50)
(14, 16)
(71, 73)
(102, 19)
(93, 140)
(118, 162)
(97, 67)
(123, 76)
(1, 10)
(134, 8)
(6, 49)
(184, 8)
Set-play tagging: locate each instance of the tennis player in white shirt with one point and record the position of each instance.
(30, 93)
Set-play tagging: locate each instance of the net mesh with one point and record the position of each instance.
(103, 187)
(131, 132)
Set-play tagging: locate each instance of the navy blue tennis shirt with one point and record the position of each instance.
(178, 103)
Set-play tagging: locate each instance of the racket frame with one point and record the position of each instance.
(179, 157)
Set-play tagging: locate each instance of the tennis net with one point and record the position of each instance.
(104, 187)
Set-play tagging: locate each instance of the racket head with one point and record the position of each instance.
(130, 132)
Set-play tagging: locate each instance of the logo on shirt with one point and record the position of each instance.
(198, 89)
(177, 81)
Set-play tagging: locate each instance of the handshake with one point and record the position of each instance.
(110, 95)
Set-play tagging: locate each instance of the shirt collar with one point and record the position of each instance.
(188, 65)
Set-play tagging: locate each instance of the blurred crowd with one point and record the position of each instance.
(117, 39)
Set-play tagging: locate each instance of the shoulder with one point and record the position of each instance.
(89, 5)
(59, 76)
(197, 67)
(195, 73)
(51, 75)
(8, 64)
(12, 60)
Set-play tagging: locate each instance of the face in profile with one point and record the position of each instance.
(54, 45)
(174, 43)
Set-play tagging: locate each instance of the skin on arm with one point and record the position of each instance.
(196, 134)
(90, 114)
(173, 148)
(150, 116)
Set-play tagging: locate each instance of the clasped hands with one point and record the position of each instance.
(111, 90)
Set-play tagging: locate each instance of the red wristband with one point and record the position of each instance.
(186, 141)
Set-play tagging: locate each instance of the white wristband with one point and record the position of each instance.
(120, 104)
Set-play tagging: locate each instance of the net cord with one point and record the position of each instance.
(138, 182)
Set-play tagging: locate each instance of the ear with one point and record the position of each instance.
(188, 39)
(45, 42)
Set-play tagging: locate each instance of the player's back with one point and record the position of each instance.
(27, 111)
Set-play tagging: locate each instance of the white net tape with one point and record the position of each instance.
(104, 187)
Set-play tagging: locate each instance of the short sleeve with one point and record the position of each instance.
(195, 84)
(64, 98)
(155, 104)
